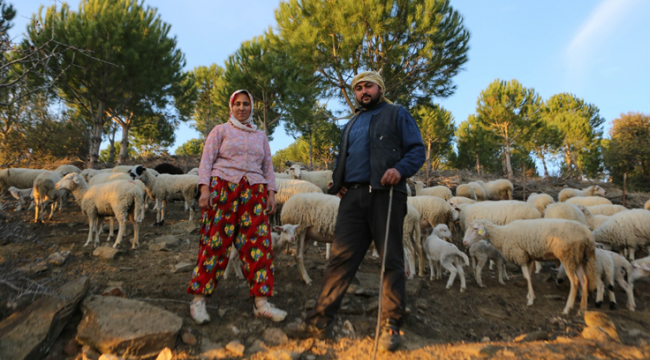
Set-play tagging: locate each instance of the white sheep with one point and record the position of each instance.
(433, 211)
(441, 253)
(640, 268)
(316, 215)
(440, 191)
(89, 173)
(321, 178)
(119, 199)
(623, 269)
(411, 237)
(565, 210)
(588, 200)
(67, 169)
(285, 235)
(498, 212)
(23, 196)
(45, 193)
(282, 176)
(466, 191)
(594, 221)
(105, 177)
(647, 205)
(18, 177)
(525, 241)
(193, 171)
(501, 189)
(627, 230)
(481, 252)
(457, 200)
(540, 201)
(608, 210)
(478, 190)
(593, 190)
(604, 277)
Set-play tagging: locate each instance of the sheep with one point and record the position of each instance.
(525, 241)
(640, 268)
(101, 178)
(285, 235)
(316, 215)
(588, 201)
(282, 176)
(498, 212)
(440, 191)
(411, 237)
(467, 191)
(166, 168)
(501, 188)
(66, 169)
(120, 199)
(18, 177)
(120, 168)
(194, 171)
(455, 201)
(45, 192)
(287, 188)
(608, 210)
(165, 187)
(478, 190)
(623, 269)
(592, 190)
(23, 196)
(320, 178)
(594, 221)
(565, 210)
(291, 163)
(433, 211)
(604, 277)
(540, 201)
(89, 173)
(628, 230)
(481, 252)
(440, 252)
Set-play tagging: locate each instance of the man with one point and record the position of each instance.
(380, 147)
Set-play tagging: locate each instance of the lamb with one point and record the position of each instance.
(593, 190)
(478, 190)
(411, 237)
(285, 235)
(501, 189)
(540, 201)
(588, 201)
(166, 168)
(433, 211)
(466, 191)
(565, 210)
(623, 269)
(440, 252)
(23, 196)
(525, 241)
(640, 268)
(66, 169)
(18, 177)
(628, 230)
(320, 178)
(455, 201)
(316, 215)
(194, 171)
(440, 191)
(594, 221)
(604, 277)
(608, 210)
(89, 173)
(498, 212)
(481, 252)
(120, 199)
(45, 192)
(165, 187)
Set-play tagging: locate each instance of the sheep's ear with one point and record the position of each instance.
(645, 267)
(277, 228)
(481, 230)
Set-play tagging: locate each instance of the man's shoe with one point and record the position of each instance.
(390, 339)
(303, 330)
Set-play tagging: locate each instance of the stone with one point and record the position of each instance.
(114, 291)
(422, 304)
(30, 333)
(282, 354)
(563, 340)
(165, 354)
(222, 312)
(634, 333)
(368, 280)
(126, 327)
(236, 348)
(71, 348)
(183, 228)
(413, 287)
(110, 357)
(188, 338)
(532, 336)
(58, 258)
(310, 304)
(348, 329)
(596, 333)
(89, 354)
(257, 346)
(491, 313)
(521, 284)
(214, 354)
(106, 252)
(274, 337)
(599, 319)
(182, 267)
(34, 268)
(485, 339)
(372, 306)
(165, 243)
(310, 357)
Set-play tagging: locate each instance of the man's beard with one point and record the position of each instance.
(368, 103)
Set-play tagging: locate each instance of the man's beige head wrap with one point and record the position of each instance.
(373, 77)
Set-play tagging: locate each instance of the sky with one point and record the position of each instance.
(595, 49)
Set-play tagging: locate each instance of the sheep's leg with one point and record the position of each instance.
(525, 270)
(52, 208)
(582, 278)
(600, 291)
(478, 270)
(491, 265)
(609, 281)
(375, 254)
(629, 290)
(431, 267)
(461, 275)
(630, 253)
(420, 255)
(300, 259)
(90, 232)
(505, 270)
(501, 267)
(452, 269)
(111, 229)
(328, 250)
(473, 262)
(438, 270)
(538, 267)
(162, 211)
(38, 206)
(573, 279)
(98, 221)
(136, 230)
(120, 232)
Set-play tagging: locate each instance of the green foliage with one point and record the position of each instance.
(153, 137)
(628, 151)
(512, 113)
(104, 154)
(417, 45)
(581, 126)
(324, 143)
(191, 147)
(437, 128)
(210, 105)
(476, 148)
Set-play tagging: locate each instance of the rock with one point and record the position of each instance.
(599, 319)
(165, 354)
(485, 339)
(368, 280)
(182, 267)
(491, 313)
(422, 304)
(348, 329)
(563, 340)
(89, 354)
(634, 333)
(236, 348)
(183, 228)
(58, 258)
(257, 346)
(532, 336)
(114, 291)
(222, 312)
(373, 305)
(106, 252)
(110, 357)
(71, 348)
(282, 354)
(520, 283)
(188, 338)
(30, 333)
(275, 336)
(310, 357)
(413, 287)
(126, 327)
(34, 268)
(234, 329)
(310, 304)
(214, 354)
(554, 297)
(165, 243)
(596, 333)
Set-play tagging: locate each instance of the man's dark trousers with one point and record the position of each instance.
(362, 219)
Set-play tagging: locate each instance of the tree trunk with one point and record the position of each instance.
(111, 149)
(428, 161)
(311, 164)
(508, 164)
(96, 138)
(264, 111)
(624, 186)
(478, 164)
(524, 181)
(567, 158)
(541, 155)
(124, 144)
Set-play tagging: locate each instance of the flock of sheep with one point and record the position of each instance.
(579, 232)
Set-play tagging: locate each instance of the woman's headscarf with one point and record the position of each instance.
(373, 77)
(248, 124)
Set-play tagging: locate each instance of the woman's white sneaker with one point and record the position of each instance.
(267, 310)
(198, 312)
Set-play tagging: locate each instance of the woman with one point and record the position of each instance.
(237, 188)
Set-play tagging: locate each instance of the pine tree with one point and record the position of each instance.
(627, 154)
(476, 148)
(437, 128)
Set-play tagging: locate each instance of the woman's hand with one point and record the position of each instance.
(270, 203)
(205, 200)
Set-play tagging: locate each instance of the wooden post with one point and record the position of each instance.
(624, 186)
(524, 180)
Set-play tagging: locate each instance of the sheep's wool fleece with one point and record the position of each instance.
(433, 209)
(369, 76)
(312, 210)
(629, 228)
(288, 188)
(498, 212)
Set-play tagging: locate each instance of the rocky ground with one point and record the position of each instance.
(443, 324)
